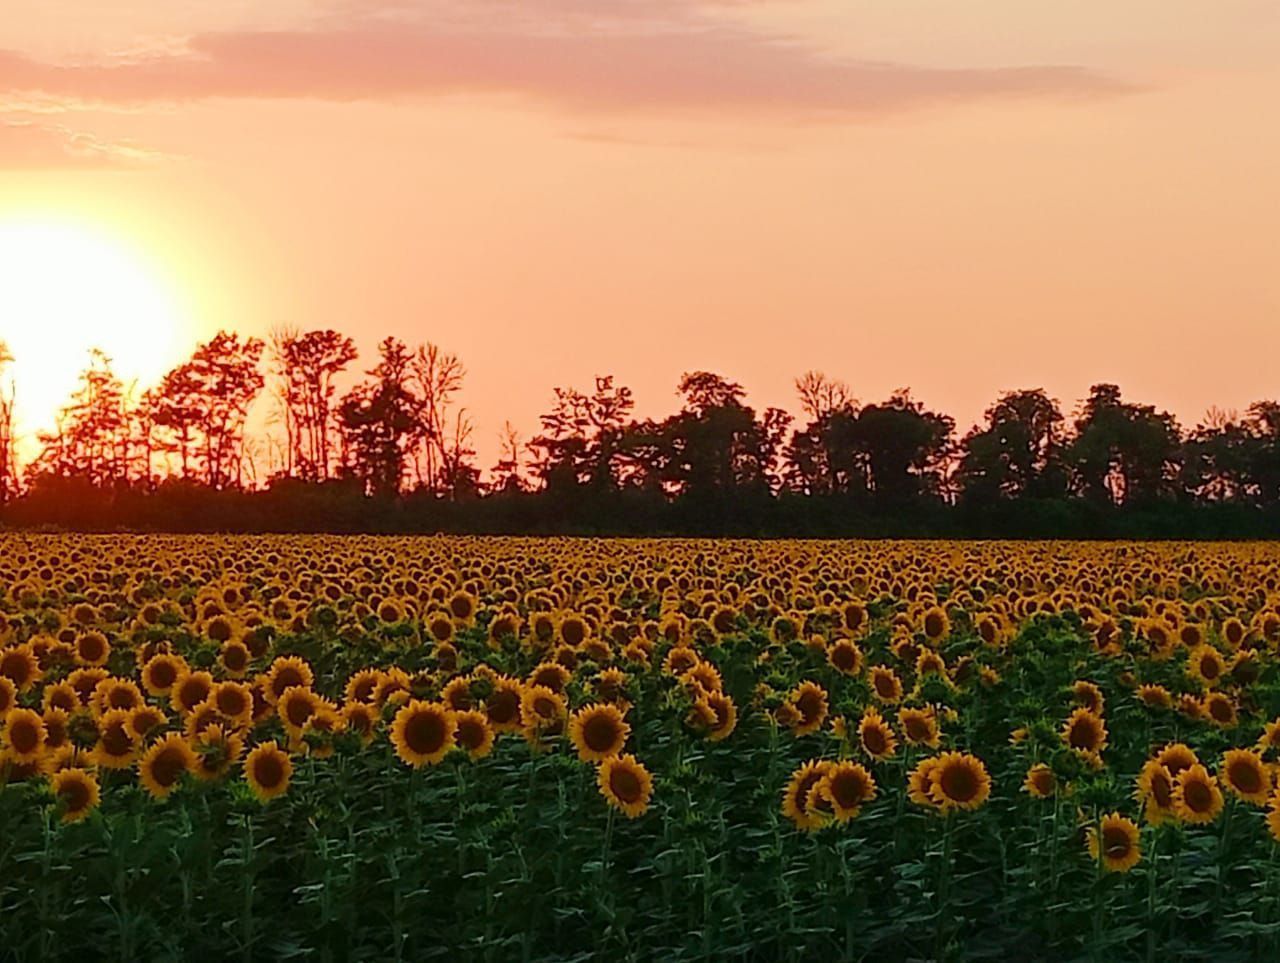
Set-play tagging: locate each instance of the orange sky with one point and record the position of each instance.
(962, 197)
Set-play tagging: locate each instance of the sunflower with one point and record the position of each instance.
(798, 793)
(920, 726)
(19, 664)
(1115, 843)
(113, 693)
(784, 629)
(60, 695)
(1088, 695)
(854, 617)
(1196, 796)
(935, 624)
(1176, 756)
(57, 731)
(362, 719)
(294, 707)
(885, 685)
(959, 781)
(1155, 696)
(92, 649)
(609, 685)
(362, 686)
(1273, 816)
(76, 791)
(423, 732)
(1155, 792)
(989, 629)
(845, 787)
(146, 719)
(161, 672)
(920, 782)
(718, 714)
(679, 660)
(1270, 738)
(1085, 732)
(845, 657)
(267, 770)
(235, 701)
(1205, 664)
(703, 678)
(1041, 783)
(1245, 775)
(810, 702)
(316, 738)
(285, 672)
(552, 675)
(502, 705)
(24, 735)
(1221, 710)
(84, 681)
(473, 733)
(456, 693)
(462, 606)
(542, 712)
(162, 766)
(876, 736)
(598, 731)
(1234, 632)
(503, 628)
(625, 784)
(216, 751)
(191, 689)
(441, 628)
(117, 745)
(235, 658)
(391, 612)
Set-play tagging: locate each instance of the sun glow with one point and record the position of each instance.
(66, 288)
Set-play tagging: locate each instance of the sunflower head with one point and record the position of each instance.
(423, 732)
(598, 731)
(76, 792)
(1196, 796)
(1114, 843)
(267, 770)
(625, 784)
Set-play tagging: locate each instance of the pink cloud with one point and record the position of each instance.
(635, 55)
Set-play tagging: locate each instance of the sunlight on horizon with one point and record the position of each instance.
(67, 287)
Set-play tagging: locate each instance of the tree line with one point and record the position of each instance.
(395, 452)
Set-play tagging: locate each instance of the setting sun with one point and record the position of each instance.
(66, 288)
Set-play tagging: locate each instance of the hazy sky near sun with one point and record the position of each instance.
(963, 197)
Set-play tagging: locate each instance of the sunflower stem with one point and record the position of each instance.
(1224, 854)
(944, 887)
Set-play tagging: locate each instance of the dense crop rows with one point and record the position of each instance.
(505, 748)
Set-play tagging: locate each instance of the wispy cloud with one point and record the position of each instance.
(636, 54)
(26, 145)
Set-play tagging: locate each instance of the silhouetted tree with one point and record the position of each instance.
(442, 442)
(716, 446)
(306, 365)
(91, 439)
(1123, 453)
(1017, 453)
(226, 377)
(905, 447)
(380, 419)
(8, 457)
(822, 458)
(582, 437)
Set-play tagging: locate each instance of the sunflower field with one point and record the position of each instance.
(343, 748)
